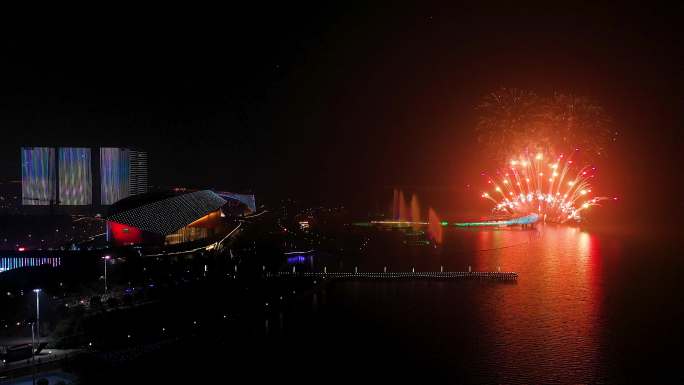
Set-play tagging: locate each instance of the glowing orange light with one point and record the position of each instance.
(558, 202)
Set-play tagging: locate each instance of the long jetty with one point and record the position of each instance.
(401, 276)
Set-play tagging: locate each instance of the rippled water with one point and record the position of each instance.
(586, 309)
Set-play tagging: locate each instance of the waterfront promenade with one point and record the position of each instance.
(401, 276)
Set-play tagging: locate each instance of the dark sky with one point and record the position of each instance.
(339, 103)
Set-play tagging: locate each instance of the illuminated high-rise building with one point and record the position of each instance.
(75, 176)
(70, 176)
(115, 173)
(38, 176)
(138, 172)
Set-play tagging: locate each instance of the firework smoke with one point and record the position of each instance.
(512, 120)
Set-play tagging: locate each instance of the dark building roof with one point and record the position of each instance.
(138, 200)
(164, 212)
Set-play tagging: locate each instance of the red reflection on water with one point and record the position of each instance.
(554, 309)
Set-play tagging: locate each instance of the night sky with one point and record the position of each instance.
(337, 104)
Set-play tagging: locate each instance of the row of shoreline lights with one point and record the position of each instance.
(384, 271)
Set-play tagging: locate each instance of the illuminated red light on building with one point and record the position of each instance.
(124, 234)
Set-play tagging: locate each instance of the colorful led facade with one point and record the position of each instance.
(115, 172)
(75, 177)
(38, 176)
(65, 175)
(13, 262)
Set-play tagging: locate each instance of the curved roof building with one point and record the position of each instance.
(164, 216)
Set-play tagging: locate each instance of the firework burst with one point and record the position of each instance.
(513, 120)
(551, 186)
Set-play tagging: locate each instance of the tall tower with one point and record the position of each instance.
(38, 176)
(75, 176)
(115, 172)
(70, 176)
(138, 172)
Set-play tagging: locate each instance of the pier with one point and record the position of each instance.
(401, 276)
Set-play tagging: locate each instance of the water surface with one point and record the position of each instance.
(587, 308)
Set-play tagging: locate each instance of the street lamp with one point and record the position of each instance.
(106, 258)
(37, 291)
(33, 343)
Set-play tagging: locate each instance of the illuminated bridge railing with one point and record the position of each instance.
(398, 276)
(526, 220)
(11, 263)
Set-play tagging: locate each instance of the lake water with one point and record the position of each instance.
(587, 308)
